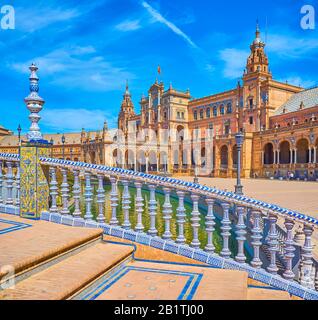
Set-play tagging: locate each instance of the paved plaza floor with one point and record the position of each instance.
(295, 195)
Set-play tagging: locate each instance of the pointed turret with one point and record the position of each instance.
(257, 61)
(127, 110)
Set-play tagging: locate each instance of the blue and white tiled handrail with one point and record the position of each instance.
(242, 218)
(186, 186)
(171, 182)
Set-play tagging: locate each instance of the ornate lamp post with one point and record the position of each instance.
(19, 134)
(239, 137)
(63, 148)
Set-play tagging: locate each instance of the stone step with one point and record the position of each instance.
(139, 280)
(64, 279)
(262, 293)
(39, 243)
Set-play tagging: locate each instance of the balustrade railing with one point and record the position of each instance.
(218, 214)
(10, 181)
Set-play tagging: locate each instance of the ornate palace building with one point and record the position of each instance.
(279, 122)
(176, 134)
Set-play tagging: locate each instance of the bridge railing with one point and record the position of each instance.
(249, 223)
(10, 180)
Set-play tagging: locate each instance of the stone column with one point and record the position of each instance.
(101, 199)
(310, 155)
(139, 207)
(181, 218)
(114, 201)
(256, 237)
(195, 219)
(291, 156)
(88, 197)
(77, 195)
(226, 228)
(299, 237)
(167, 214)
(289, 250)
(295, 155)
(305, 274)
(273, 243)
(210, 226)
(9, 183)
(152, 211)
(65, 193)
(126, 205)
(17, 185)
(315, 154)
(241, 235)
(53, 190)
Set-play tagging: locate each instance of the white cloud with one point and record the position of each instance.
(158, 17)
(291, 46)
(78, 67)
(73, 119)
(128, 25)
(235, 61)
(298, 81)
(34, 19)
(43, 15)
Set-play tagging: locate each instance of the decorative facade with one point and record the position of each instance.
(279, 122)
(176, 134)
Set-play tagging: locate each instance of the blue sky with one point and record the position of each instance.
(87, 49)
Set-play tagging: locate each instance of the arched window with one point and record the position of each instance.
(208, 113)
(195, 115)
(222, 109)
(215, 111)
(229, 108)
(201, 114)
(284, 148)
(302, 151)
(268, 154)
(224, 157)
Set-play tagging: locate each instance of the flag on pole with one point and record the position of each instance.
(159, 69)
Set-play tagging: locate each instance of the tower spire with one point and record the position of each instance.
(257, 34)
(34, 104)
(127, 88)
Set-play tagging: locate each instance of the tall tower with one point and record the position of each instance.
(257, 62)
(255, 77)
(34, 104)
(127, 111)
